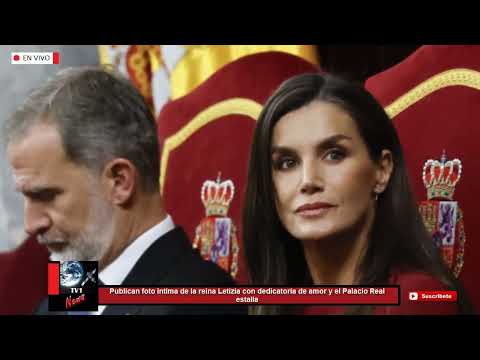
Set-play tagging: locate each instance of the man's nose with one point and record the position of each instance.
(37, 220)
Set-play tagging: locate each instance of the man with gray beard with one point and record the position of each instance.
(84, 152)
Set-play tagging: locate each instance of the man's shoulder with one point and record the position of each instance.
(172, 260)
(42, 308)
(195, 270)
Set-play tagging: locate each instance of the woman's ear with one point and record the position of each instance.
(384, 171)
(120, 178)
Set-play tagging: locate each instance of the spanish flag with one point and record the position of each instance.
(168, 72)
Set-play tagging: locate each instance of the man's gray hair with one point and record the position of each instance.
(100, 116)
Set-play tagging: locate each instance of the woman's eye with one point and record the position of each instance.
(335, 155)
(285, 164)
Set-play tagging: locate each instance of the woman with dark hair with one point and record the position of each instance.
(328, 201)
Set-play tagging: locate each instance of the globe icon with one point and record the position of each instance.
(71, 273)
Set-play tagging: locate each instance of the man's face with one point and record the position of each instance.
(64, 203)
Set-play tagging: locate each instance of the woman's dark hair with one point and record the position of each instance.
(399, 239)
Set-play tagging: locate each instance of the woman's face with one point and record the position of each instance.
(325, 180)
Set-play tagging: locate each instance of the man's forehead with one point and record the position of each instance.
(38, 158)
(40, 145)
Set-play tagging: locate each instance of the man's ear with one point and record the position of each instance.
(120, 177)
(384, 171)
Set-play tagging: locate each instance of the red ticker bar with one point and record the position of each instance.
(53, 278)
(345, 295)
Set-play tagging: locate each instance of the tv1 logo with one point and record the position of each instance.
(73, 286)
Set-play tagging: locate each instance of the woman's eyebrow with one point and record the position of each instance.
(323, 144)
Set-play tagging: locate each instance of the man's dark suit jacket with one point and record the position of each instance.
(170, 261)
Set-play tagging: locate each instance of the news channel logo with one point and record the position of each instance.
(77, 284)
